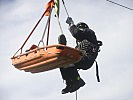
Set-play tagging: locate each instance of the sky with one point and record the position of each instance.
(112, 25)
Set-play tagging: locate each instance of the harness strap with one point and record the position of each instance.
(97, 72)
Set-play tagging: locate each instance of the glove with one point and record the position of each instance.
(69, 21)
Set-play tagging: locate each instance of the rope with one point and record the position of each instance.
(58, 22)
(119, 4)
(65, 8)
(48, 32)
(33, 30)
(76, 95)
(30, 33)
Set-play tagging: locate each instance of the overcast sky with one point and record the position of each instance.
(111, 23)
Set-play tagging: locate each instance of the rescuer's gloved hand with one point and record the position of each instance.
(69, 21)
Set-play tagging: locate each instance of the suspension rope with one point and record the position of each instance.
(76, 95)
(62, 32)
(33, 30)
(48, 32)
(119, 4)
(58, 22)
(30, 33)
(65, 8)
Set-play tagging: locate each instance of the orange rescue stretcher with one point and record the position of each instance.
(46, 58)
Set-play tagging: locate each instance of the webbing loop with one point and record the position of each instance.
(47, 23)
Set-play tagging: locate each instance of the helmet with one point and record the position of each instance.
(82, 25)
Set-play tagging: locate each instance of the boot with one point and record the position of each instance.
(77, 84)
(62, 39)
(67, 88)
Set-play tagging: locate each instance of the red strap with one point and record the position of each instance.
(32, 30)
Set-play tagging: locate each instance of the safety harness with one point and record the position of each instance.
(90, 49)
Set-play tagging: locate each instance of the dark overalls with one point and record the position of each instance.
(87, 41)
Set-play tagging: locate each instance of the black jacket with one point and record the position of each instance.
(86, 40)
(86, 34)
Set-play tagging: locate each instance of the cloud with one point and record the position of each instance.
(113, 25)
(3, 2)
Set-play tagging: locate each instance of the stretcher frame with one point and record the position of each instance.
(47, 58)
